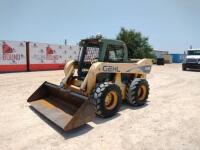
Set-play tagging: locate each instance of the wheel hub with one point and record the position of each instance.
(111, 100)
(142, 91)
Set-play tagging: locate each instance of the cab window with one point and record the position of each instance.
(114, 53)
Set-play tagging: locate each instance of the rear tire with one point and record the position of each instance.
(107, 99)
(137, 92)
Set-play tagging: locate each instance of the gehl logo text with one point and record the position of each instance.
(110, 69)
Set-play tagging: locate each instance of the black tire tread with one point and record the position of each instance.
(98, 95)
(131, 92)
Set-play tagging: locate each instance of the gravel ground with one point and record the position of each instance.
(170, 120)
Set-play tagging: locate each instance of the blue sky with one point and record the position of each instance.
(171, 25)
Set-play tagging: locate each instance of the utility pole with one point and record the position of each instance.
(65, 42)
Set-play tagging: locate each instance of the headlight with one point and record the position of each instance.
(146, 69)
(62, 83)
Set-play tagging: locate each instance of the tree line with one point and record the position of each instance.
(138, 45)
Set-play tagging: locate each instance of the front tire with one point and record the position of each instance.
(107, 99)
(184, 67)
(137, 92)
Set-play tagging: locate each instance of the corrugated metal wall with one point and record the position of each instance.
(177, 58)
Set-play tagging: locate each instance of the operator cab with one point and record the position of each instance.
(89, 53)
(99, 50)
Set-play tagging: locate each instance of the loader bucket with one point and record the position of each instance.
(63, 107)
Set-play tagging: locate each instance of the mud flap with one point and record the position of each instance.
(63, 107)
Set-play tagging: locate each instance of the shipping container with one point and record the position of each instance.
(177, 58)
(13, 56)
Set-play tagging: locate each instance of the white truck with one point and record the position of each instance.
(192, 59)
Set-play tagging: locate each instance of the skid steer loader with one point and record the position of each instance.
(95, 84)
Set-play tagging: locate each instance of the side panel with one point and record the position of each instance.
(142, 67)
(50, 57)
(12, 56)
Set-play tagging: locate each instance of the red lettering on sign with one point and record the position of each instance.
(11, 56)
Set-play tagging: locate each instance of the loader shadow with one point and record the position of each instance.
(66, 134)
(193, 70)
(84, 128)
(127, 106)
(99, 120)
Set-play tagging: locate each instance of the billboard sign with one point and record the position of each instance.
(44, 56)
(12, 56)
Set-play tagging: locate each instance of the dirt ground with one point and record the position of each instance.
(170, 120)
